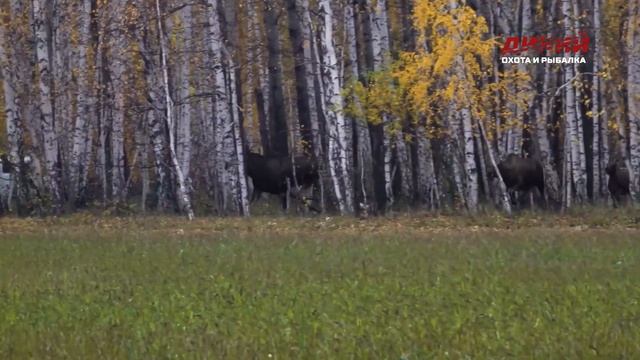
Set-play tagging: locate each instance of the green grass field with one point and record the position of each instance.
(408, 287)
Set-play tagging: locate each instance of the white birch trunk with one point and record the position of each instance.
(12, 111)
(156, 128)
(80, 145)
(50, 139)
(573, 137)
(11, 98)
(237, 153)
(183, 195)
(633, 95)
(567, 182)
(61, 91)
(502, 190)
(380, 49)
(157, 138)
(547, 158)
(312, 66)
(117, 70)
(581, 175)
(470, 165)
(101, 112)
(183, 126)
(221, 102)
(232, 186)
(364, 170)
(598, 127)
(335, 120)
(464, 115)
(516, 131)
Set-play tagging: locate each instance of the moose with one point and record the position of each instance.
(275, 174)
(521, 174)
(618, 183)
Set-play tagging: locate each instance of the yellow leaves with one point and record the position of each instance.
(454, 68)
(450, 91)
(425, 12)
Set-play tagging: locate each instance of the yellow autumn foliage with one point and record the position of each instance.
(453, 66)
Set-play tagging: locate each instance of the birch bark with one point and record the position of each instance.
(11, 98)
(183, 195)
(117, 71)
(380, 51)
(50, 139)
(464, 116)
(633, 95)
(364, 168)
(183, 120)
(80, 143)
(573, 134)
(277, 109)
(232, 186)
(598, 128)
(334, 115)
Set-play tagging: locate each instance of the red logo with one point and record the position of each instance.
(515, 45)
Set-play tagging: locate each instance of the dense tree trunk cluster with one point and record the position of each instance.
(155, 104)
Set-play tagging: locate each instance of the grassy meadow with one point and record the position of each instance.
(401, 287)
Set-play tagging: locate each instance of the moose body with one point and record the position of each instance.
(522, 174)
(277, 175)
(618, 183)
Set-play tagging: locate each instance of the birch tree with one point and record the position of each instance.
(79, 159)
(334, 115)
(464, 113)
(11, 98)
(395, 100)
(183, 118)
(258, 74)
(154, 117)
(364, 168)
(228, 145)
(278, 131)
(117, 71)
(633, 95)
(599, 127)
(573, 135)
(182, 194)
(305, 100)
(542, 116)
(49, 136)
(380, 51)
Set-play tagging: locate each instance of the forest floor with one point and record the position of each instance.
(400, 287)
